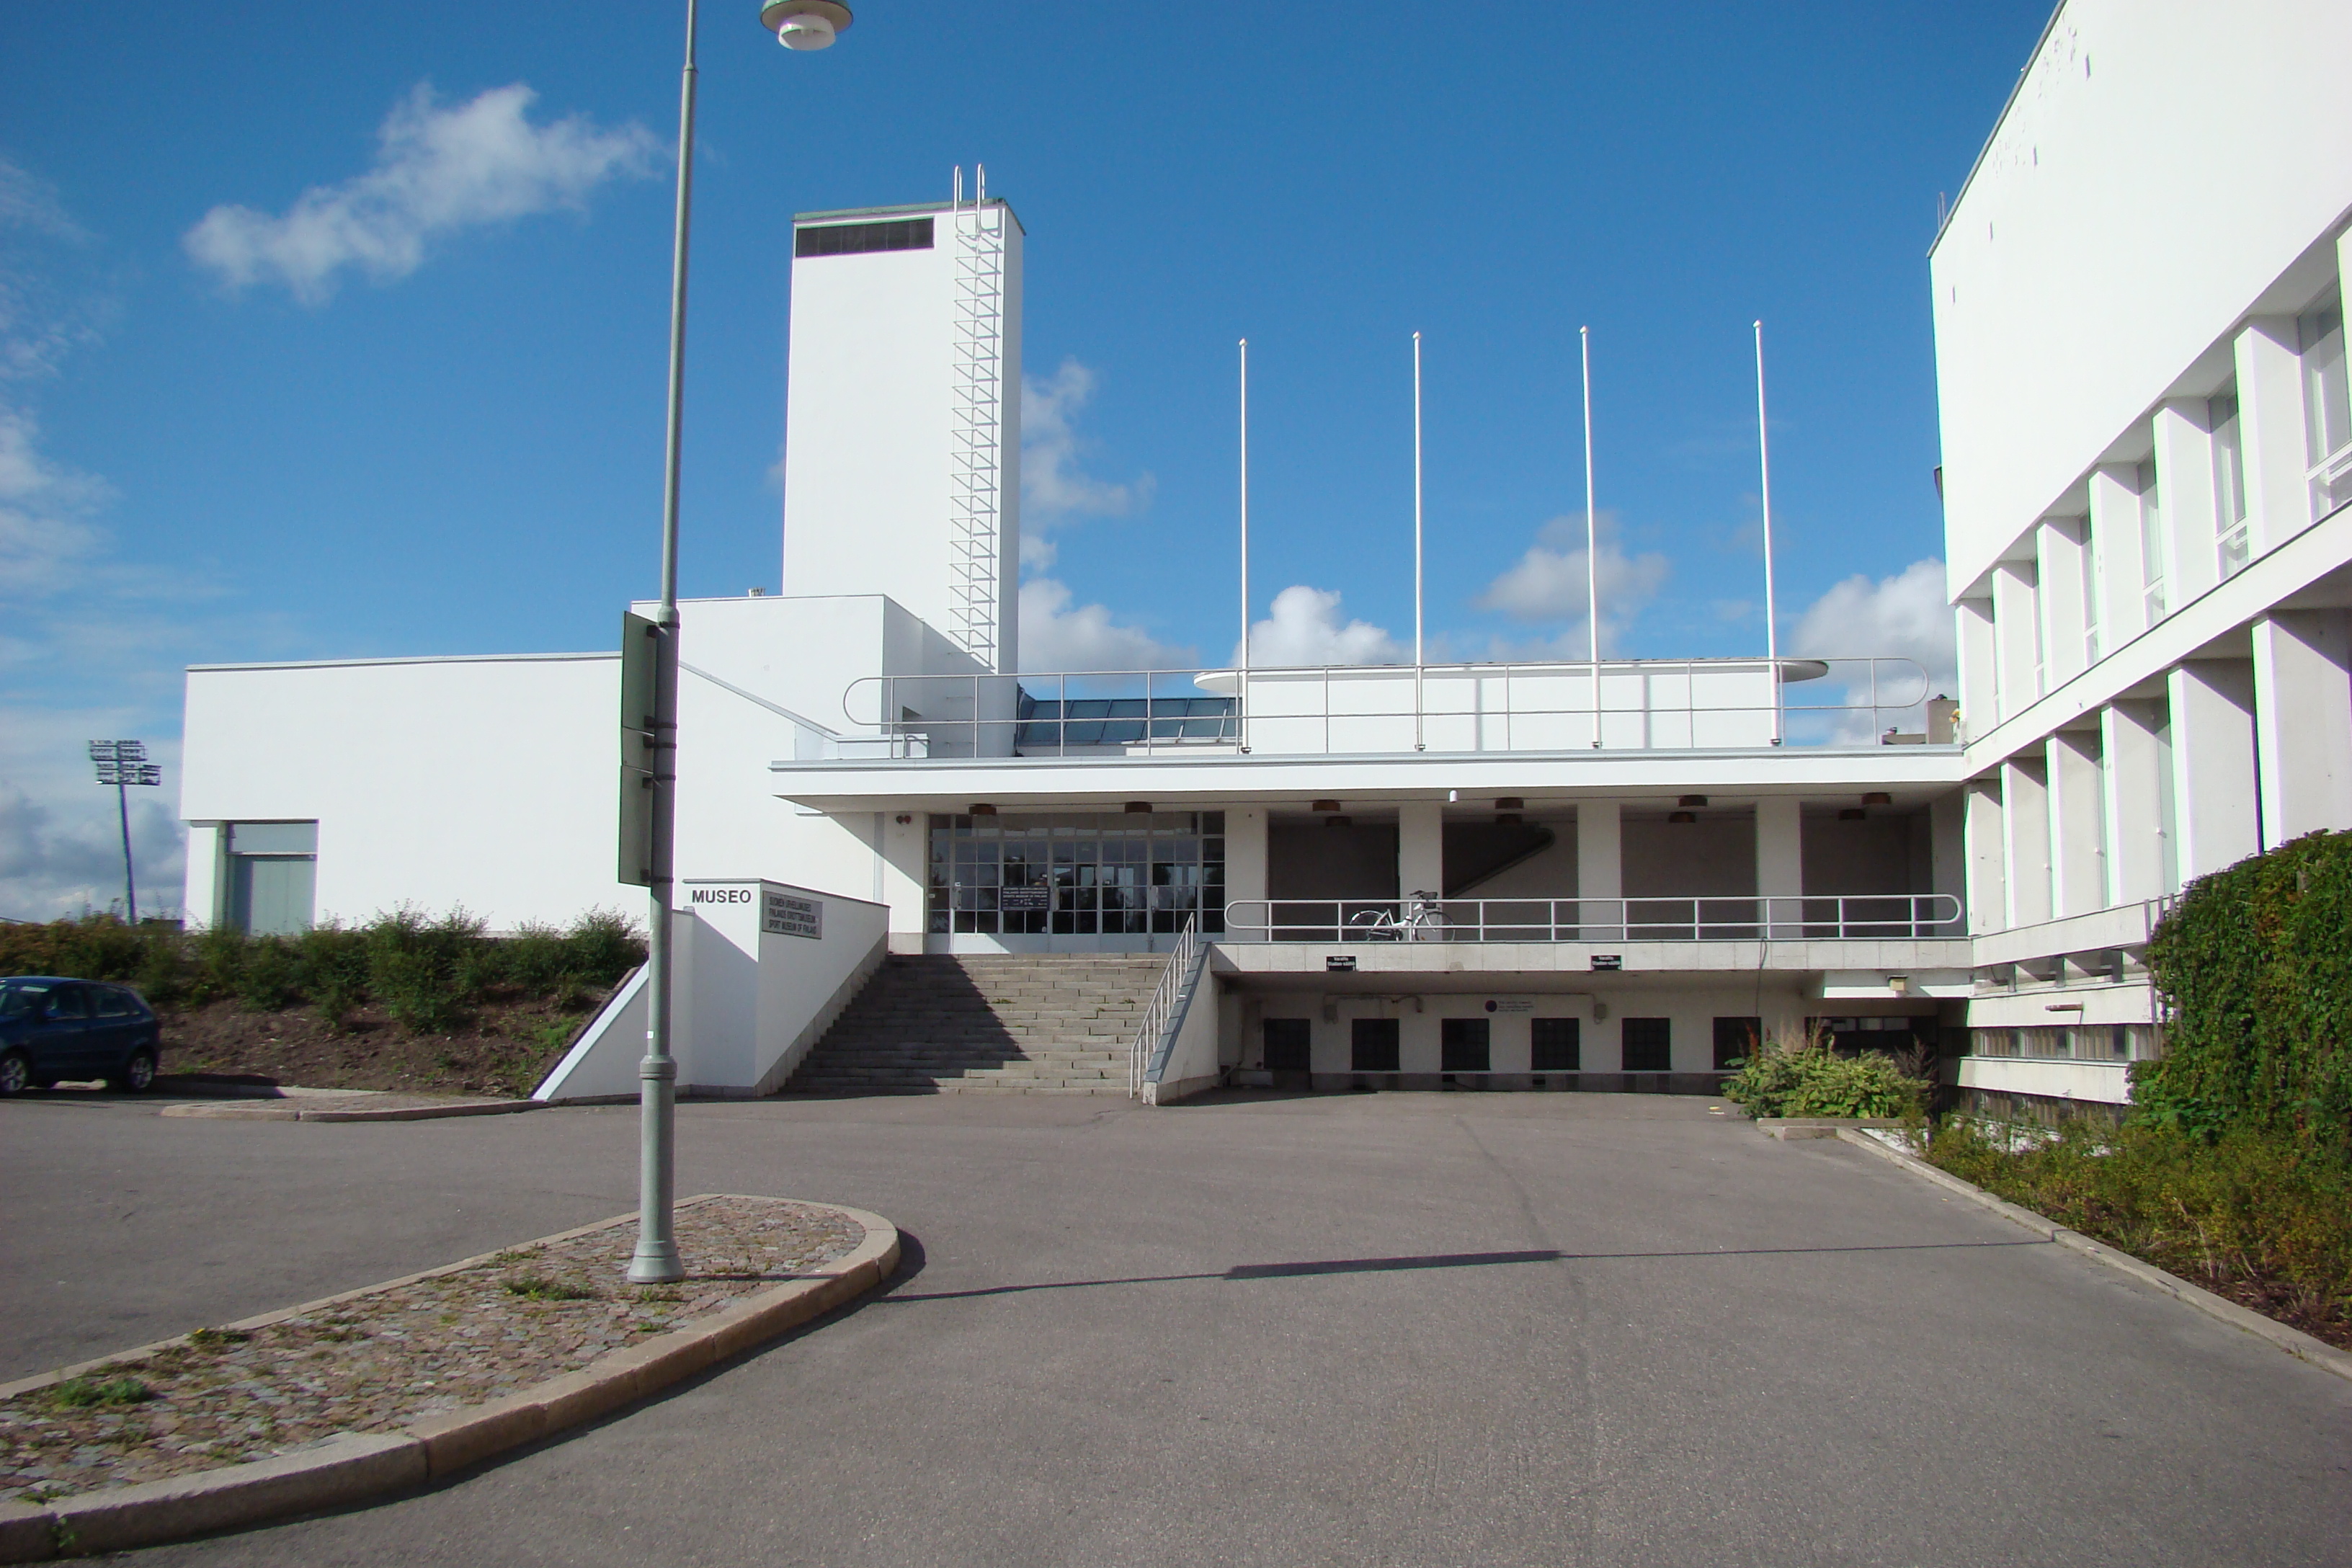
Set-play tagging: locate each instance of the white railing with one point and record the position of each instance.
(1162, 1006)
(1778, 918)
(1628, 704)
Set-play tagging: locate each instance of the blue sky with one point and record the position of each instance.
(430, 417)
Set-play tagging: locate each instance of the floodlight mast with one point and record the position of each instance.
(801, 25)
(123, 763)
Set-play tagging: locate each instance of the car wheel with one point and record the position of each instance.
(135, 1075)
(16, 1073)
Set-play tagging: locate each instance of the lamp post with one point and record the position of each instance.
(800, 25)
(123, 763)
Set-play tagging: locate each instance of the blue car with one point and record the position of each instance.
(55, 1030)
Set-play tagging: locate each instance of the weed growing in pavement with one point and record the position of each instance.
(83, 1393)
(215, 1339)
(540, 1287)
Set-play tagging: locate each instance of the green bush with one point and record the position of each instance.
(2248, 1211)
(271, 977)
(1797, 1073)
(424, 970)
(2254, 965)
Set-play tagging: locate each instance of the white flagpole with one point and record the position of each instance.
(1764, 455)
(1241, 688)
(1591, 536)
(1418, 740)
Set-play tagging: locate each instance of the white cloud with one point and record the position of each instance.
(1548, 582)
(1902, 616)
(1305, 631)
(88, 648)
(1055, 487)
(1057, 637)
(437, 169)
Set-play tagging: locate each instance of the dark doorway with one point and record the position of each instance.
(1557, 1045)
(1372, 1045)
(1289, 1044)
(1462, 1045)
(1736, 1039)
(1649, 1045)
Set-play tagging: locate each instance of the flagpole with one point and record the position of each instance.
(1591, 536)
(1764, 457)
(1419, 740)
(1241, 687)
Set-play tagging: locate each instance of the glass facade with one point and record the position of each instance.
(1077, 874)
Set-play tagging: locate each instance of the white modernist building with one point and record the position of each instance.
(1543, 876)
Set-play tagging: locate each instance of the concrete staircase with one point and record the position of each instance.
(1028, 1024)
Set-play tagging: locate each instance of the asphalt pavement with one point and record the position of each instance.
(1362, 1330)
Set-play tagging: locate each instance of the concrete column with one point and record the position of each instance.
(1988, 855)
(1246, 857)
(2184, 474)
(2131, 766)
(2061, 568)
(901, 868)
(2269, 432)
(2025, 838)
(2216, 798)
(206, 895)
(1600, 864)
(1979, 691)
(2303, 721)
(1781, 858)
(2017, 630)
(1420, 848)
(2077, 835)
(2123, 580)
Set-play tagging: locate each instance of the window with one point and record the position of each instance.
(1556, 1044)
(2152, 543)
(1649, 1045)
(1289, 1044)
(1462, 1045)
(1372, 1045)
(67, 1003)
(859, 239)
(1735, 1040)
(2326, 409)
(1992, 1042)
(2229, 483)
(113, 1004)
(1102, 873)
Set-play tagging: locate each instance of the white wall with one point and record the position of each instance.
(2162, 162)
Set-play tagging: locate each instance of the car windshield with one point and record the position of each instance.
(21, 1001)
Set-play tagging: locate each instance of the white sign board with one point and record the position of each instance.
(782, 914)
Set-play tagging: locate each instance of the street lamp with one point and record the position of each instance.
(123, 763)
(649, 704)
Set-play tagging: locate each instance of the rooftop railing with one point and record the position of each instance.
(1456, 709)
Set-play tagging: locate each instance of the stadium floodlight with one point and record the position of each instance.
(123, 765)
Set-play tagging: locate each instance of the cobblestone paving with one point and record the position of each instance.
(390, 1356)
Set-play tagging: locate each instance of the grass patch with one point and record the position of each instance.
(540, 1287)
(85, 1393)
(217, 1339)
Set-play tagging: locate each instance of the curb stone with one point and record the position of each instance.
(281, 1111)
(357, 1465)
(2293, 1340)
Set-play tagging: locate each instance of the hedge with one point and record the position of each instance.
(2254, 967)
(423, 970)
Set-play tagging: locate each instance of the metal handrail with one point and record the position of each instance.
(1164, 996)
(911, 715)
(1774, 918)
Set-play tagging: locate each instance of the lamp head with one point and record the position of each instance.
(804, 24)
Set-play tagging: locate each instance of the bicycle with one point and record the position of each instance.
(1422, 922)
